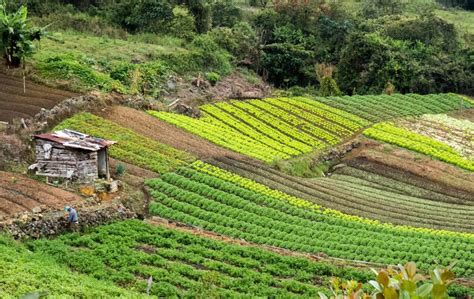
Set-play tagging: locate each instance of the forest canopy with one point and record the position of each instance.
(367, 44)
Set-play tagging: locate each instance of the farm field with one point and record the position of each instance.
(384, 107)
(458, 134)
(15, 103)
(23, 272)
(390, 133)
(166, 133)
(365, 195)
(182, 264)
(270, 129)
(19, 194)
(132, 147)
(226, 203)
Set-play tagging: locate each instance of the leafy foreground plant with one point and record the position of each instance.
(394, 284)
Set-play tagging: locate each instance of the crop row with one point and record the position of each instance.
(127, 253)
(131, 147)
(264, 134)
(383, 107)
(371, 200)
(387, 132)
(222, 135)
(279, 124)
(318, 193)
(203, 200)
(271, 129)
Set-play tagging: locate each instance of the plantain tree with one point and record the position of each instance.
(17, 36)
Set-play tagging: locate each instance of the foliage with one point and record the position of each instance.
(120, 169)
(205, 201)
(225, 13)
(17, 35)
(24, 272)
(379, 8)
(329, 87)
(213, 78)
(183, 24)
(404, 283)
(131, 147)
(185, 265)
(144, 15)
(391, 283)
(240, 40)
(269, 129)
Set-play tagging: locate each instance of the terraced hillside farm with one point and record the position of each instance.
(270, 129)
(127, 253)
(15, 103)
(367, 194)
(20, 194)
(228, 204)
(383, 107)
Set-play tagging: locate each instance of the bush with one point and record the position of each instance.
(225, 13)
(120, 170)
(207, 54)
(213, 78)
(183, 24)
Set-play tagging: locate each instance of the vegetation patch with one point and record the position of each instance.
(182, 264)
(131, 147)
(218, 202)
(270, 129)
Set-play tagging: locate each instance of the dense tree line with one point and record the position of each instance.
(381, 46)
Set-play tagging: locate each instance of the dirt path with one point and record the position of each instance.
(152, 127)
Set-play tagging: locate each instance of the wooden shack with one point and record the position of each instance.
(72, 155)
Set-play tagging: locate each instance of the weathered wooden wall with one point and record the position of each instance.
(82, 164)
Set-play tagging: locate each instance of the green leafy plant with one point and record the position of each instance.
(17, 35)
(213, 78)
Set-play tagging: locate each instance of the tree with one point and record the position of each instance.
(183, 25)
(225, 13)
(379, 8)
(17, 36)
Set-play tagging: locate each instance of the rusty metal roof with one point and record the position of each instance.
(74, 139)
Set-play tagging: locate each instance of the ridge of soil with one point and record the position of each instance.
(21, 194)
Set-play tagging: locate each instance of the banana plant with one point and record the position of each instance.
(17, 36)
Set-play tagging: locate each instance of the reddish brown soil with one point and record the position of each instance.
(412, 168)
(19, 193)
(154, 128)
(15, 103)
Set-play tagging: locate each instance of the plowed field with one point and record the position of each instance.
(20, 194)
(15, 103)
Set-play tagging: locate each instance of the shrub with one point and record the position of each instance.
(183, 24)
(213, 78)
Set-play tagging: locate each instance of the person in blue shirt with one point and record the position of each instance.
(72, 219)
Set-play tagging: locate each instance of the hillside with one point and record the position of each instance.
(273, 149)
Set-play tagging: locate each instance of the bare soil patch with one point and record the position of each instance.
(134, 175)
(161, 131)
(15, 103)
(20, 194)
